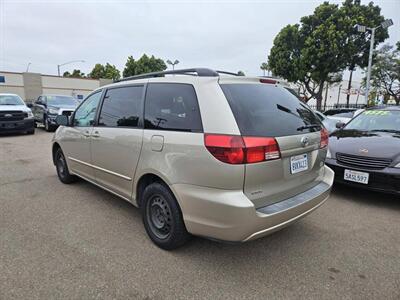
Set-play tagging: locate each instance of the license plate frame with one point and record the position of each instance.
(356, 176)
(298, 163)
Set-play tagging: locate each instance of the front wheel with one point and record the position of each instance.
(162, 217)
(47, 126)
(62, 168)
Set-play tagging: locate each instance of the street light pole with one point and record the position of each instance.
(68, 62)
(371, 50)
(361, 28)
(173, 63)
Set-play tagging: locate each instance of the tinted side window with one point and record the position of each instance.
(121, 107)
(267, 110)
(172, 106)
(86, 113)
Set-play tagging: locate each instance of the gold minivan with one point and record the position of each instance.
(200, 152)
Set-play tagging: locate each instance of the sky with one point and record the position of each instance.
(226, 35)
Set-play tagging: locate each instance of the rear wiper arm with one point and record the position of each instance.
(387, 130)
(301, 128)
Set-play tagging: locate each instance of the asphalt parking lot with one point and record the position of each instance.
(78, 242)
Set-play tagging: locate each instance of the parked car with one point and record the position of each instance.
(330, 124)
(15, 116)
(366, 152)
(48, 107)
(224, 157)
(343, 115)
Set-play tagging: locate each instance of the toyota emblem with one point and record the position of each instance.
(304, 141)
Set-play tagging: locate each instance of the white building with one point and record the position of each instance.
(337, 94)
(29, 86)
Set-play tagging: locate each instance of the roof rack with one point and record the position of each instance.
(202, 72)
(228, 73)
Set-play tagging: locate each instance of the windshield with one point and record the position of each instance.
(61, 100)
(345, 113)
(268, 110)
(376, 120)
(11, 100)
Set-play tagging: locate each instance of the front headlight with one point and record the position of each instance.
(328, 154)
(30, 115)
(397, 166)
(53, 111)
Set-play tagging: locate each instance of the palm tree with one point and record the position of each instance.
(264, 66)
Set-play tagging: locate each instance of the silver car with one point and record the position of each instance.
(225, 157)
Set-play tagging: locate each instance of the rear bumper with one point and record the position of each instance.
(231, 216)
(16, 126)
(386, 180)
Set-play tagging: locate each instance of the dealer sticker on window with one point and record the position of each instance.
(298, 163)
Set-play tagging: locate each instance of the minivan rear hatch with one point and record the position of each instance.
(269, 110)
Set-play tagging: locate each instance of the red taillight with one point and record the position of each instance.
(226, 148)
(234, 149)
(266, 80)
(324, 138)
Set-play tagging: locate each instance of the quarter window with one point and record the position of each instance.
(86, 113)
(172, 106)
(122, 107)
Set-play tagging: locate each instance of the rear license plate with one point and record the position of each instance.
(10, 125)
(355, 176)
(298, 163)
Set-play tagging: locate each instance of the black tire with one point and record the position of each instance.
(35, 124)
(62, 168)
(162, 217)
(47, 126)
(32, 131)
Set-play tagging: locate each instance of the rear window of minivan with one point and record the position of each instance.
(268, 110)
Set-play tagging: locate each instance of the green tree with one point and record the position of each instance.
(241, 73)
(75, 73)
(356, 48)
(111, 72)
(145, 64)
(310, 52)
(97, 71)
(264, 66)
(108, 71)
(385, 73)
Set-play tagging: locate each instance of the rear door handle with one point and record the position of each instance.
(96, 134)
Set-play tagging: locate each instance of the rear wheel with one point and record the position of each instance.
(62, 168)
(162, 217)
(32, 131)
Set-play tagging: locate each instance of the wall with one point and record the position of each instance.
(29, 86)
(14, 84)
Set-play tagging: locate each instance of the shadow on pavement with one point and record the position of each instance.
(362, 196)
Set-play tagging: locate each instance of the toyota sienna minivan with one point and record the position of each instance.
(200, 152)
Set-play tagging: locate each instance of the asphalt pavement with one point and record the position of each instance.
(79, 242)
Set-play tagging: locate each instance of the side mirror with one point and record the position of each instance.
(30, 105)
(62, 120)
(340, 125)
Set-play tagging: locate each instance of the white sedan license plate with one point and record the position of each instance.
(298, 163)
(355, 176)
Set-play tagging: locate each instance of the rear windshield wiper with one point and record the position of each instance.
(311, 126)
(387, 130)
